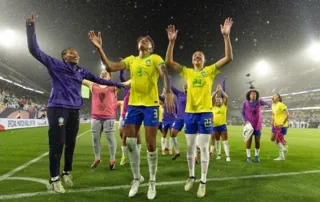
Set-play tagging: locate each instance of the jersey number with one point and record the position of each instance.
(139, 72)
(207, 123)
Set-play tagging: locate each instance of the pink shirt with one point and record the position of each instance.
(104, 102)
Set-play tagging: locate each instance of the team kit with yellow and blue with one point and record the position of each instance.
(194, 108)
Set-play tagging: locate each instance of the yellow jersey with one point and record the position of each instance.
(199, 88)
(160, 113)
(278, 111)
(144, 79)
(219, 115)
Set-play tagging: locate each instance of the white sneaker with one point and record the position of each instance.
(57, 186)
(67, 179)
(279, 159)
(218, 157)
(202, 190)
(188, 186)
(152, 190)
(135, 186)
(228, 159)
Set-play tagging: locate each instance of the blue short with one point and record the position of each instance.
(166, 125)
(178, 124)
(137, 114)
(160, 127)
(284, 130)
(198, 122)
(220, 129)
(256, 132)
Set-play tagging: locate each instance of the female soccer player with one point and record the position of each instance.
(143, 103)
(198, 116)
(179, 121)
(251, 113)
(219, 111)
(279, 125)
(123, 111)
(64, 104)
(103, 117)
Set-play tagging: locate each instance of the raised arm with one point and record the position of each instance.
(97, 42)
(225, 97)
(98, 80)
(169, 97)
(34, 48)
(225, 30)
(172, 36)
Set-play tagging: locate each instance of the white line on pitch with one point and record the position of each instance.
(92, 189)
(3, 177)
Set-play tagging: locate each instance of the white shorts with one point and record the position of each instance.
(103, 125)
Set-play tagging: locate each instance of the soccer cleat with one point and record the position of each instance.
(67, 179)
(188, 186)
(95, 163)
(57, 186)
(176, 155)
(135, 186)
(202, 190)
(196, 159)
(152, 190)
(218, 157)
(170, 151)
(248, 159)
(279, 159)
(257, 159)
(228, 159)
(123, 160)
(164, 152)
(112, 165)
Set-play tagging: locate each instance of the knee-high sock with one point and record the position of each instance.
(191, 146)
(153, 164)
(226, 148)
(204, 148)
(134, 156)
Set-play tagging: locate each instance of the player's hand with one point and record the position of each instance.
(168, 100)
(219, 87)
(127, 84)
(95, 40)
(172, 33)
(247, 122)
(30, 21)
(226, 27)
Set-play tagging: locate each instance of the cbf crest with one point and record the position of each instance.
(148, 62)
(203, 73)
(61, 121)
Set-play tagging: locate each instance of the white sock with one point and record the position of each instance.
(176, 145)
(218, 147)
(139, 147)
(163, 143)
(124, 150)
(197, 140)
(256, 152)
(170, 143)
(204, 149)
(112, 144)
(211, 148)
(248, 151)
(153, 164)
(134, 156)
(226, 148)
(191, 146)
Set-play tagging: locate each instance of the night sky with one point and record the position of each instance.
(276, 31)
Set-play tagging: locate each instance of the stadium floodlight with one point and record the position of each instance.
(7, 37)
(263, 67)
(314, 51)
